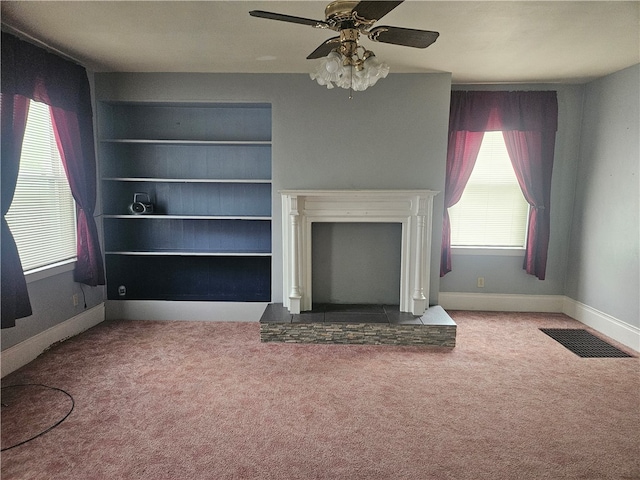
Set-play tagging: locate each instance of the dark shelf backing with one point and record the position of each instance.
(186, 122)
(187, 161)
(185, 278)
(246, 199)
(157, 234)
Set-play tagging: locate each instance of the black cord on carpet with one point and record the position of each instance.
(73, 404)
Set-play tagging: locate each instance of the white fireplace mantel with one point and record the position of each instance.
(411, 208)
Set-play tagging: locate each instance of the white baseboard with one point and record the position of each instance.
(501, 302)
(604, 323)
(194, 311)
(24, 352)
(612, 327)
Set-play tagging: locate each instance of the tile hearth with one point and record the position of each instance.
(358, 324)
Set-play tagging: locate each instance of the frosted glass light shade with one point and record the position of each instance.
(332, 71)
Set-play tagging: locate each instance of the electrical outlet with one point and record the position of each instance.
(480, 282)
(122, 290)
(74, 299)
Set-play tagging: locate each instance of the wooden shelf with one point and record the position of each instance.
(176, 253)
(184, 142)
(186, 180)
(188, 217)
(207, 171)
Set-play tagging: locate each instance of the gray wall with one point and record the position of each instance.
(603, 265)
(504, 274)
(392, 136)
(51, 302)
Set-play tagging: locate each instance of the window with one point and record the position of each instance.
(42, 215)
(492, 211)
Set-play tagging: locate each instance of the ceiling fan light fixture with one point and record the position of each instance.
(333, 63)
(329, 70)
(351, 73)
(375, 69)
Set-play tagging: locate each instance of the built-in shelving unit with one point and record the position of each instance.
(207, 171)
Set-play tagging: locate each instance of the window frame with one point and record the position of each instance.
(494, 250)
(50, 270)
(488, 251)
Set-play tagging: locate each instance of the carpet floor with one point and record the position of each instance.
(199, 400)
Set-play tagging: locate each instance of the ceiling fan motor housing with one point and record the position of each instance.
(339, 11)
(349, 41)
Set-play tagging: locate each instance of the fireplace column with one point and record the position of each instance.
(419, 300)
(294, 294)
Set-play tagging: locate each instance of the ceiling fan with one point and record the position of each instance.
(353, 19)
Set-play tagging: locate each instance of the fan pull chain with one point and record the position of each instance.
(351, 84)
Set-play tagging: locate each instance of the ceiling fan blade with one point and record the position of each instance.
(287, 18)
(374, 10)
(325, 49)
(403, 36)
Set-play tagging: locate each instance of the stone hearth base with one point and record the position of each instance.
(358, 324)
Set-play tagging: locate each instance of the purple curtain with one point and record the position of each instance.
(462, 153)
(34, 73)
(530, 122)
(15, 298)
(75, 147)
(531, 155)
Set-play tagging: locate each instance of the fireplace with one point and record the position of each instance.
(410, 208)
(355, 263)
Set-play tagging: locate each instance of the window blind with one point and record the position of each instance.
(492, 211)
(42, 215)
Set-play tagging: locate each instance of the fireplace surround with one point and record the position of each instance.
(411, 208)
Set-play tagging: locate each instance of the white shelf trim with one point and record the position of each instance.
(182, 253)
(185, 142)
(188, 180)
(191, 217)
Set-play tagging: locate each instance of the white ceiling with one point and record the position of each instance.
(480, 42)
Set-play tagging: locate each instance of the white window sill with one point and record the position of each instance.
(490, 251)
(50, 270)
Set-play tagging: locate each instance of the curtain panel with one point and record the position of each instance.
(34, 73)
(15, 297)
(529, 121)
(462, 153)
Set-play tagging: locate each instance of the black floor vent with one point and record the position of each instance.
(583, 343)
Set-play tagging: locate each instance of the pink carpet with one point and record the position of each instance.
(197, 400)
